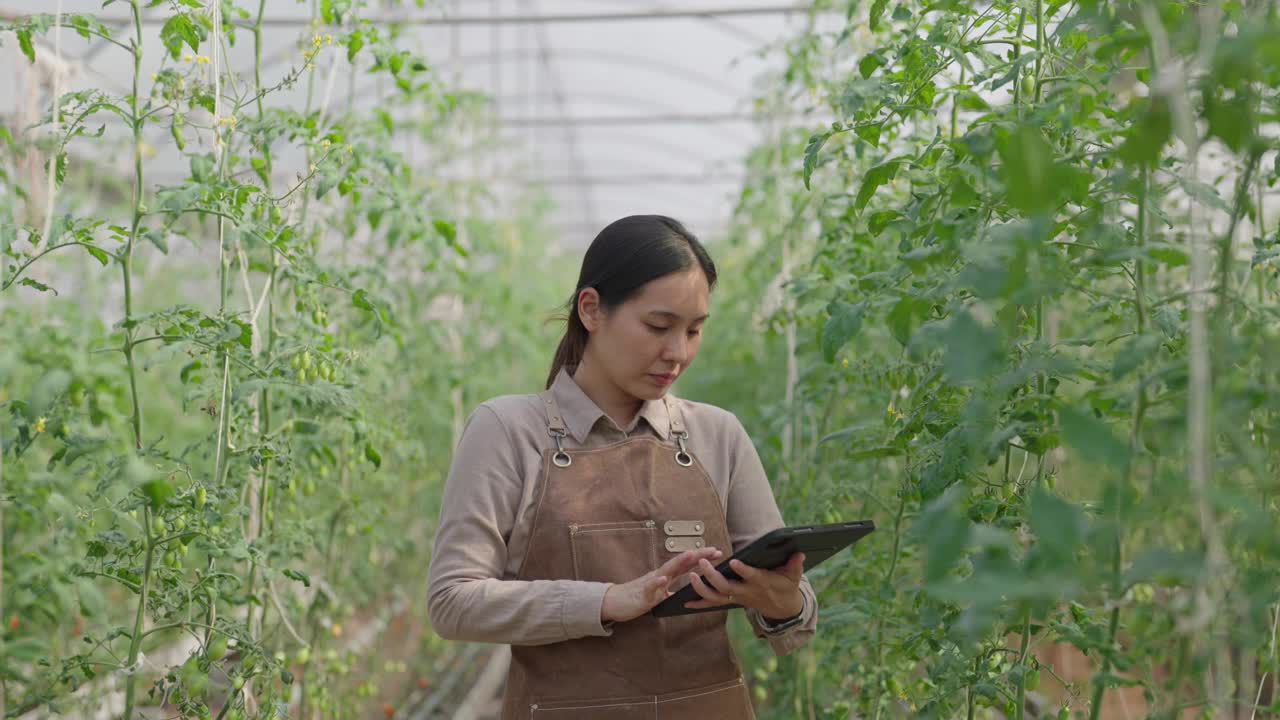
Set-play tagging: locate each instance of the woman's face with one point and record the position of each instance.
(645, 343)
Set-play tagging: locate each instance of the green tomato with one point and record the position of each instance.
(761, 693)
(1033, 679)
(202, 496)
(237, 682)
(303, 656)
(1064, 713)
(306, 360)
(158, 525)
(302, 375)
(1028, 87)
(217, 647)
(180, 524)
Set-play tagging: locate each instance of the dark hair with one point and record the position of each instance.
(624, 256)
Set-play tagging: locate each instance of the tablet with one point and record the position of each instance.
(817, 542)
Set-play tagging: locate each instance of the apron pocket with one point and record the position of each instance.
(621, 708)
(722, 701)
(613, 552)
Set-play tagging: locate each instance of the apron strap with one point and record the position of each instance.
(676, 418)
(555, 419)
(556, 428)
(675, 415)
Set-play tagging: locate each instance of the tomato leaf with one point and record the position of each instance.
(811, 154)
(1091, 437)
(158, 492)
(297, 575)
(98, 253)
(875, 177)
(844, 322)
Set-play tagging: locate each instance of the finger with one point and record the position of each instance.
(746, 572)
(705, 591)
(794, 568)
(681, 563)
(721, 583)
(655, 589)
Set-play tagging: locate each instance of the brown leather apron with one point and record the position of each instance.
(612, 514)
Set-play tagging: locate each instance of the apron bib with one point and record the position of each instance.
(612, 514)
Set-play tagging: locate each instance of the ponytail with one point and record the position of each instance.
(572, 345)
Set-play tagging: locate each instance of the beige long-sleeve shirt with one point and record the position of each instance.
(486, 517)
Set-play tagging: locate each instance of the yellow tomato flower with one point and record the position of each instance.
(186, 57)
(40, 423)
(328, 39)
(325, 143)
(313, 167)
(202, 60)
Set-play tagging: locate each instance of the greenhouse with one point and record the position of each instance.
(347, 359)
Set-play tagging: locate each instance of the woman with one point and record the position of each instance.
(568, 515)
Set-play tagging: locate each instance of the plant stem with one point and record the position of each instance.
(955, 106)
(1017, 52)
(888, 580)
(968, 691)
(135, 641)
(1039, 46)
(1020, 710)
(264, 398)
(1135, 442)
(126, 259)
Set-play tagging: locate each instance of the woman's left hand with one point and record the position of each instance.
(774, 593)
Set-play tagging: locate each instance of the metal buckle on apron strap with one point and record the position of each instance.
(683, 458)
(560, 458)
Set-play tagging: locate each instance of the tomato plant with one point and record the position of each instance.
(214, 507)
(1014, 302)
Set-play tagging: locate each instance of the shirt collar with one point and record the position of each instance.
(581, 412)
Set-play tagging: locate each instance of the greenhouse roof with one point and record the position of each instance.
(614, 106)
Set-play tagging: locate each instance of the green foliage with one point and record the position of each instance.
(1005, 207)
(242, 449)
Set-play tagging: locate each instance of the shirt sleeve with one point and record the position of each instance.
(468, 599)
(752, 512)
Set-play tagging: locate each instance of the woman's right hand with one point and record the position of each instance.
(632, 599)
